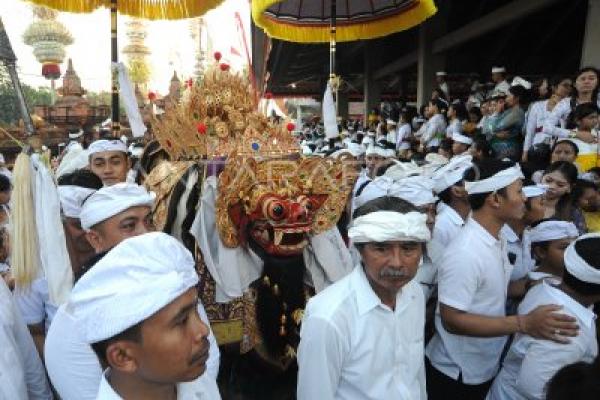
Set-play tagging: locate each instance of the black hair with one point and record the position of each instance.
(477, 111)
(564, 206)
(5, 184)
(579, 189)
(573, 101)
(587, 249)
(565, 141)
(383, 168)
(441, 105)
(446, 145)
(482, 145)
(578, 381)
(132, 334)
(485, 169)
(583, 110)
(555, 81)
(520, 92)
(81, 177)
(446, 194)
(461, 110)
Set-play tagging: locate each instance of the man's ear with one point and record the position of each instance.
(94, 240)
(493, 200)
(458, 191)
(122, 356)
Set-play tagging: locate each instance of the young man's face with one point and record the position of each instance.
(536, 210)
(132, 222)
(390, 265)
(373, 161)
(174, 346)
(110, 166)
(459, 148)
(589, 200)
(5, 196)
(512, 203)
(553, 255)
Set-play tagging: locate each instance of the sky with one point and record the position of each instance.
(170, 42)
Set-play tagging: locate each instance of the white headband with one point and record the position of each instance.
(103, 145)
(76, 135)
(517, 80)
(112, 200)
(374, 149)
(460, 138)
(389, 226)
(553, 230)
(495, 182)
(498, 70)
(417, 190)
(534, 190)
(451, 173)
(577, 265)
(71, 198)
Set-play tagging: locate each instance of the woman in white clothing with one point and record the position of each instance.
(539, 112)
(457, 115)
(586, 91)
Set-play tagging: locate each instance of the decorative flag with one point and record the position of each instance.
(329, 114)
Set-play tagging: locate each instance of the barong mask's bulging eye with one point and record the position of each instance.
(274, 209)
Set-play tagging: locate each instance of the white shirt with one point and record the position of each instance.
(447, 226)
(530, 363)
(353, 346)
(427, 272)
(534, 127)
(433, 131)
(391, 135)
(454, 127)
(472, 277)
(522, 252)
(203, 388)
(404, 132)
(22, 375)
(555, 122)
(34, 303)
(73, 366)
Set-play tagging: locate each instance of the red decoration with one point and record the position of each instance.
(201, 128)
(224, 67)
(51, 71)
(217, 56)
(268, 95)
(190, 83)
(290, 126)
(151, 96)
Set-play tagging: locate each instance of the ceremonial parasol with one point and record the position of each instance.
(321, 21)
(148, 9)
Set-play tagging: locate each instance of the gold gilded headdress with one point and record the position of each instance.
(217, 117)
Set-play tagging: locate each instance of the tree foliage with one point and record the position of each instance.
(9, 108)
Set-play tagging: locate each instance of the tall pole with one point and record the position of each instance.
(333, 81)
(114, 51)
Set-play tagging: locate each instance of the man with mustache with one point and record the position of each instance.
(362, 337)
(137, 307)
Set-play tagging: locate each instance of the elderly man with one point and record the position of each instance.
(362, 337)
(109, 160)
(109, 216)
(155, 347)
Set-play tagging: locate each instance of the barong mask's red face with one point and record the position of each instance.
(280, 225)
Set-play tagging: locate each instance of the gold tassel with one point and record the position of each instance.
(23, 236)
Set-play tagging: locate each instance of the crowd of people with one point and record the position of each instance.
(474, 228)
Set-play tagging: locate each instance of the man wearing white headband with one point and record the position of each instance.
(156, 347)
(516, 234)
(530, 362)
(549, 240)
(109, 160)
(109, 216)
(34, 301)
(473, 276)
(460, 143)
(499, 78)
(450, 188)
(362, 337)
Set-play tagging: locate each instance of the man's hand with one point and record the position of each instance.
(545, 323)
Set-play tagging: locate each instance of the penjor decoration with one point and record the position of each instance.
(48, 37)
(275, 213)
